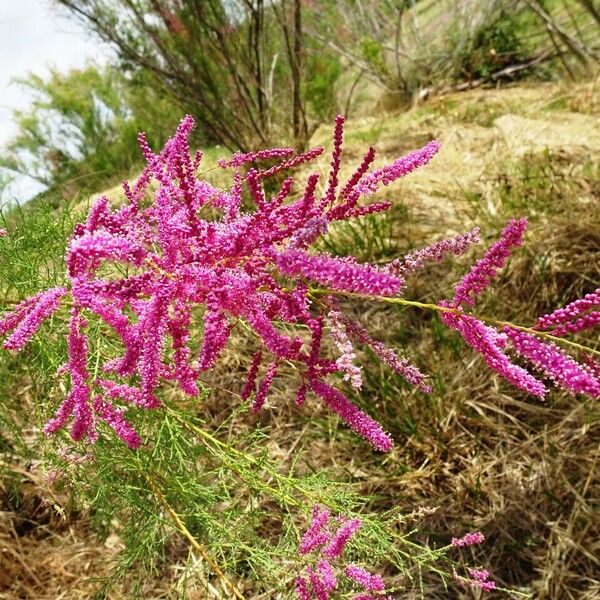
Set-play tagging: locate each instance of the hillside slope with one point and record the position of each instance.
(473, 455)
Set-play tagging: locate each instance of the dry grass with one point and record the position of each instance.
(476, 453)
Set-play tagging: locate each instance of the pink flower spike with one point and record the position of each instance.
(338, 135)
(484, 270)
(437, 251)
(366, 580)
(114, 417)
(313, 228)
(251, 377)
(480, 579)
(371, 209)
(302, 590)
(99, 214)
(32, 316)
(554, 363)
(77, 402)
(337, 273)
(576, 316)
(402, 366)
(345, 362)
(128, 393)
(255, 188)
(357, 175)
(291, 163)
(327, 575)
(263, 388)
(318, 587)
(468, 539)
(61, 416)
(572, 310)
(86, 253)
(364, 425)
(3, 232)
(371, 182)
(490, 343)
(314, 535)
(152, 326)
(239, 159)
(301, 395)
(12, 318)
(338, 542)
(216, 334)
(589, 321)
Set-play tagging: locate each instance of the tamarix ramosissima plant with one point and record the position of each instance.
(254, 267)
(243, 258)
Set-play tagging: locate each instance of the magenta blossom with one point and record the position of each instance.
(330, 543)
(250, 265)
(469, 539)
(182, 256)
(492, 343)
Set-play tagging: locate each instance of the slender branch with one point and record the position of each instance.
(211, 442)
(403, 302)
(578, 49)
(456, 311)
(180, 526)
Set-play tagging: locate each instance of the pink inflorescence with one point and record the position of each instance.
(366, 580)
(330, 545)
(371, 182)
(346, 361)
(437, 251)
(145, 267)
(484, 270)
(188, 244)
(579, 315)
(469, 539)
(492, 343)
(554, 363)
(27, 317)
(478, 579)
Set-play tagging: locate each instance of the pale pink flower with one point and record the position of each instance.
(469, 539)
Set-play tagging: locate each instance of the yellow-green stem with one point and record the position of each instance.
(456, 311)
(210, 439)
(180, 526)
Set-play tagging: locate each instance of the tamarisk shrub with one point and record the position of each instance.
(181, 243)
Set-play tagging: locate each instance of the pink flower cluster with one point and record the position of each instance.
(437, 251)
(484, 270)
(345, 362)
(179, 243)
(492, 343)
(579, 315)
(320, 582)
(480, 579)
(370, 183)
(554, 362)
(469, 539)
(27, 317)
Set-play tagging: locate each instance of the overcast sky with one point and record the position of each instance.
(35, 34)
